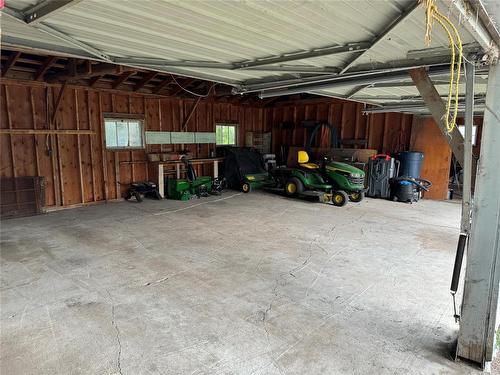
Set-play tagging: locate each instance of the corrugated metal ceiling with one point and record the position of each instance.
(229, 31)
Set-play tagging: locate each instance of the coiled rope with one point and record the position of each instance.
(432, 14)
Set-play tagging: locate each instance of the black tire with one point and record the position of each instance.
(246, 187)
(128, 195)
(340, 198)
(137, 196)
(294, 187)
(357, 196)
(157, 195)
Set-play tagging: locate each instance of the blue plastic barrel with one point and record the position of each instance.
(411, 163)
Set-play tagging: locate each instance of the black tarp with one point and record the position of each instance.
(238, 162)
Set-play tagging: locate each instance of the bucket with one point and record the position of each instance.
(411, 163)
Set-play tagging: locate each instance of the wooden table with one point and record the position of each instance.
(178, 170)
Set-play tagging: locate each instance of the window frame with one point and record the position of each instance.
(474, 132)
(227, 124)
(125, 117)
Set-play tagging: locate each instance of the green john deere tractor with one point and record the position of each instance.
(345, 179)
(338, 182)
(306, 180)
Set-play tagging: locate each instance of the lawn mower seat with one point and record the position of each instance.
(303, 159)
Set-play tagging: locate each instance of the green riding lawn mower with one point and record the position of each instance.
(330, 182)
(339, 182)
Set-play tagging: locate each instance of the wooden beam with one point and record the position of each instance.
(162, 85)
(92, 161)
(94, 80)
(83, 72)
(35, 140)
(10, 62)
(190, 114)
(78, 146)
(122, 78)
(46, 132)
(44, 67)
(437, 108)
(58, 102)
(182, 86)
(148, 77)
(103, 149)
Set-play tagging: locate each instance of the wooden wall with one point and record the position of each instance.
(385, 132)
(77, 168)
(427, 138)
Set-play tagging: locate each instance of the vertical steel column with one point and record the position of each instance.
(467, 167)
(478, 322)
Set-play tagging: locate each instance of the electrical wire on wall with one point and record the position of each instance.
(432, 14)
(191, 92)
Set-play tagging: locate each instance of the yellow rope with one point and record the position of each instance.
(433, 14)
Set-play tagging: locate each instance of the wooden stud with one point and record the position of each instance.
(357, 122)
(58, 146)
(103, 150)
(385, 146)
(35, 141)
(10, 62)
(53, 155)
(160, 120)
(117, 175)
(13, 160)
(92, 162)
(116, 155)
(77, 119)
(131, 153)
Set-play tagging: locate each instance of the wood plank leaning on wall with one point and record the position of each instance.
(76, 166)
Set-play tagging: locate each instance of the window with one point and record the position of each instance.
(123, 133)
(225, 134)
(474, 132)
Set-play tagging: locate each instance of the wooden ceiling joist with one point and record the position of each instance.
(122, 78)
(148, 77)
(10, 62)
(83, 71)
(94, 80)
(22, 65)
(167, 81)
(182, 86)
(49, 61)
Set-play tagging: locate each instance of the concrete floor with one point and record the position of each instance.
(243, 284)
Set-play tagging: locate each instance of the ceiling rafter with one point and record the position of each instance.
(122, 78)
(49, 61)
(10, 62)
(167, 81)
(148, 77)
(58, 34)
(382, 34)
(301, 55)
(182, 86)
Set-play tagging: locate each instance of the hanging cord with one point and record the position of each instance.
(432, 14)
(191, 92)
